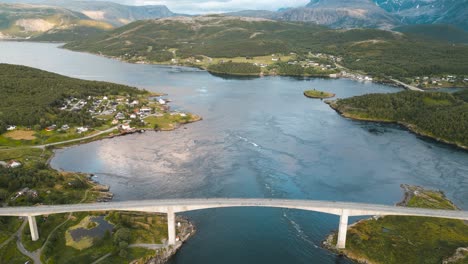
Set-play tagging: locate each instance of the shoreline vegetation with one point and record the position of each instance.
(258, 47)
(318, 94)
(82, 112)
(270, 69)
(400, 239)
(436, 115)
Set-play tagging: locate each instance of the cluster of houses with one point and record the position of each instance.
(25, 192)
(353, 76)
(123, 110)
(426, 80)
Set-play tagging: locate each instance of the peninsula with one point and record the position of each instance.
(318, 94)
(437, 115)
(42, 110)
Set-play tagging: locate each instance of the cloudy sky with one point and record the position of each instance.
(216, 6)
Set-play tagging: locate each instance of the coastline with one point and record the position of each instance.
(377, 230)
(409, 127)
(386, 81)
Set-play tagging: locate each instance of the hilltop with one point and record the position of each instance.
(113, 13)
(32, 21)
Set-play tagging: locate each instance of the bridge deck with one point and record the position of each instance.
(183, 205)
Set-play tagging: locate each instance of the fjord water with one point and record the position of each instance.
(260, 137)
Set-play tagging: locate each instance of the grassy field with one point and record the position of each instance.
(8, 226)
(10, 254)
(398, 239)
(20, 135)
(46, 225)
(169, 122)
(318, 94)
(21, 154)
(142, 228)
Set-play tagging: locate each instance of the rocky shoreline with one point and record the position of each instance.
(186, 231)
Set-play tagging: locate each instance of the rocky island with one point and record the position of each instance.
(318, 94)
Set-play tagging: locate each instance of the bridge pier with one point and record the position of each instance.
(33, 228)
(343, 228)
(171, 227)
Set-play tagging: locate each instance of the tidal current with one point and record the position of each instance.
(260, 137)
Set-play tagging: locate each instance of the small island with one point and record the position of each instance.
(403, 239)
(318, 94)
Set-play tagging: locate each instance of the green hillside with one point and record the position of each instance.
(373, 51)
(32, 97)
(439, 115)
(32, 21)
(435, 32)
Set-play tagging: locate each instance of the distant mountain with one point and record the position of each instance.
(113, 13)
(30, 21)
(454, 12)
(333, 13)
(254, 13)
(372, 13)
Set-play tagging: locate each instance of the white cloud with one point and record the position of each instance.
(219, 6)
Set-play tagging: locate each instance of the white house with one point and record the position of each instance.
(11, 128)
(126, 127)
(161, 101)
(80, 130)
(13, 164)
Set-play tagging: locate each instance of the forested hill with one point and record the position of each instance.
(376, 52)
(439, 115)
(32, 97)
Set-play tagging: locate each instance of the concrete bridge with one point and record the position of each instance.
(171, 207)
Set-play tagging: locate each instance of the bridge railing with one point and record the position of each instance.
(171, 207)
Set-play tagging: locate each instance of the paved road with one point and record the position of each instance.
(183, 205)
(77, 139)
(407, 86)
(36, 255)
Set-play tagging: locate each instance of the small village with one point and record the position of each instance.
(124, 113)
(439, 81)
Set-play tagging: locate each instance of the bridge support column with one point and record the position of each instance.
(33, 228)
(171, 227)
(343, 228)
